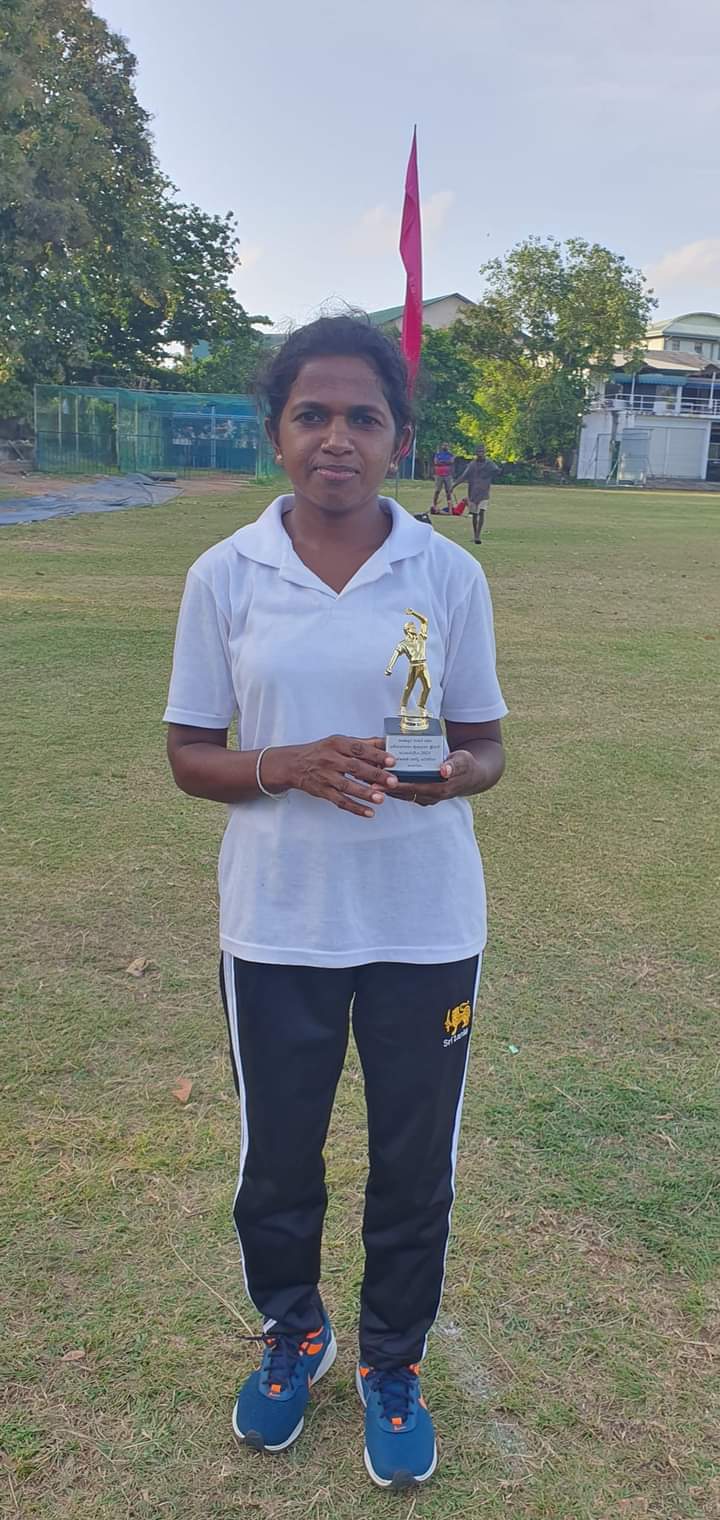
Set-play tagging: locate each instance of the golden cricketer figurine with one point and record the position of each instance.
(414, 647)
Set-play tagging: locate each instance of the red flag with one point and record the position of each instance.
(411, 255)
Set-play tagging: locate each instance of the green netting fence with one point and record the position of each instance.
(96, 429)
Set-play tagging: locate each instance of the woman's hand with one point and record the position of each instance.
(338, 769)
(475, 763)
(459, 779)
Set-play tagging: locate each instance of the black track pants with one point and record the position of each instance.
(288, 1037)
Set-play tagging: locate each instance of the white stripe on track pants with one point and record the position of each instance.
(289, 1029)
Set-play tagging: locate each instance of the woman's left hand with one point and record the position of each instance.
(459, 773)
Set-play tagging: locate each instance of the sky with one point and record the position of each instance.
(589, 118)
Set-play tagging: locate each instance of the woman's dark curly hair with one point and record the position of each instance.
(343, 335)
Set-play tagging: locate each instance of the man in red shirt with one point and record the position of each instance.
(443, 462)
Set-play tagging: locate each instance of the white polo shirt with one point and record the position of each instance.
(260, 636)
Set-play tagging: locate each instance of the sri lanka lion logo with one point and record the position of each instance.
(458, 1018)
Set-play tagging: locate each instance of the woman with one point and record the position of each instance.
(329, 872)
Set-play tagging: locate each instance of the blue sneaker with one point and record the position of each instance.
(270, 1410)
(400, 1448)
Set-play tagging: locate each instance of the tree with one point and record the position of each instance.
(524, 412)
(553, 316)
(573, 304)
(76, 161)
(232, 366)
(100, 266)
(445, 406)
(176, 293)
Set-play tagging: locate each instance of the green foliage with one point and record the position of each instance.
(574, 304)
(15, 398)
(527, 411)
(100, 266)
(552, 315)
(445, 406)
(513, 373)
(550, 412)
(232, 366)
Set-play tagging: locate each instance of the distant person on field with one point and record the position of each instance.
(479, 475)
(443, 462)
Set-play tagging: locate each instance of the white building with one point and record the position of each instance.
(697, 332)
(660, 420)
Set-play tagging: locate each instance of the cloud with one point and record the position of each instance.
(435, 212)
(691, 264)
(378, 230)
(249, 254)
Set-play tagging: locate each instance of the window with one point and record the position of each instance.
(676, 344)
(698, 348)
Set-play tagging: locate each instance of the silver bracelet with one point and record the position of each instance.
(276, 796)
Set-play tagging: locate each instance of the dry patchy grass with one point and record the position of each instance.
(574, 1369)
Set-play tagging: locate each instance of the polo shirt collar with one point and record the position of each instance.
(267, 543)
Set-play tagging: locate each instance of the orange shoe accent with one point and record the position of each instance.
(313, 1350)
(363, 1371)
(414, 1367)
(276, 1387)
(396, 1420)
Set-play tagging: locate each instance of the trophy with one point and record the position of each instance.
(414, 738)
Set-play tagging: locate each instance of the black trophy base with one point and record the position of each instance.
(418, 752)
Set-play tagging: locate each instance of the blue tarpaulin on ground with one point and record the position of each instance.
(110, 494)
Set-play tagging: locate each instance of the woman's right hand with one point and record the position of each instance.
(338, 768)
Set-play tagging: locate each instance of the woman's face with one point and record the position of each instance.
(337, 434)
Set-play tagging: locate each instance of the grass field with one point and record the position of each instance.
(574, 1373)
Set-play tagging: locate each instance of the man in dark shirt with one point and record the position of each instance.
(479, 476)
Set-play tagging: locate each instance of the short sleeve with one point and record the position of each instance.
(471, 691)
(201, 688)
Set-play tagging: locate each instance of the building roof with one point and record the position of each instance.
(667, 361)
(661, 367)
(697, 324)
(394, 313)
(378, 318)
